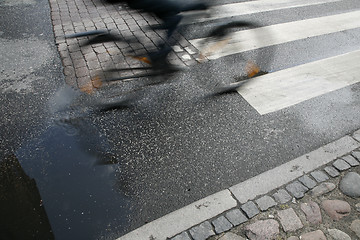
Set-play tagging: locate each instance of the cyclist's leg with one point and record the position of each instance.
(168, 12)
(194, 7)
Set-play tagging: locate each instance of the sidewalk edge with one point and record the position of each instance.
(209, 207)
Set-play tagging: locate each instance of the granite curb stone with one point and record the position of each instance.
(356, 154)
(202, 231)
(282, 196)
(307, 181)
(265, 202)
(236, 217)
(250, 209)
(319, 176)
(182, 236)
(231, 236)
(331, 171)
(221, 224)
(351, 160)
(297, 189)
(341, 165)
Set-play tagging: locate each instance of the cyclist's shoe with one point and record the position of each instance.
(158, 60)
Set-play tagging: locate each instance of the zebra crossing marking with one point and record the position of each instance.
(285, 32)
(244, 8)
(278, 90)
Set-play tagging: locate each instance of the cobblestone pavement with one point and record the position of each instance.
(324, 204)
(83, 64)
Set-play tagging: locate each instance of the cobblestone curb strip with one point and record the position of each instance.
(315, 196)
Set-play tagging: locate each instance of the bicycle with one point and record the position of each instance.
(213, 43)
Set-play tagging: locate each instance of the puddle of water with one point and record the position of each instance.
(78, 194)
(72, 175)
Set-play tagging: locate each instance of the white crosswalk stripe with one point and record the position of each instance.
(285, 32)
(278, 90)
(275, 91)
(243, 8)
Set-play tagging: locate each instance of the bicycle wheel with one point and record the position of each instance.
(239, 44)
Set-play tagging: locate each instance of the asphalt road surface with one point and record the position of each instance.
(104, 173)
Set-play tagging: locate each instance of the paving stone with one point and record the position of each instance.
(357, 207)
(331, 171)
(289, 220)
(297, 189)
(315, 235)
(322, 189)
(307, 181)
(350, 184)
(356, 135)
(319, 176)
(91, 56)
(202, 231)
(221, 224)
(236, 217)
(312, 212)
(250, 209)
(69, 71)
(262, 229)
(84, 82)
(82, 72)
(177, 48)
(356, 154)
(293, 238)
(71, 81)
(336, 234)
(231, 236)
(265, 202)
(341, 165)
(190, 50)
(93, 65)
(355, 227)
(336, 209)
(182, 236)
(78, 63)
(282, 196)
(351, 160)
(185, 57)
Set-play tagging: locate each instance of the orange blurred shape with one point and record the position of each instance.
(142, 59)
(96, 82)
(88, 88)
(252, 69)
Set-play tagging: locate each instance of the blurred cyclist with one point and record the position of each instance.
(168, 11)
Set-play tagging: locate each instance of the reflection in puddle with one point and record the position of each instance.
(22, 213)
(75, 177)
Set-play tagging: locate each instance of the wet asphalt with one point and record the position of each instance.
(100, 172)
